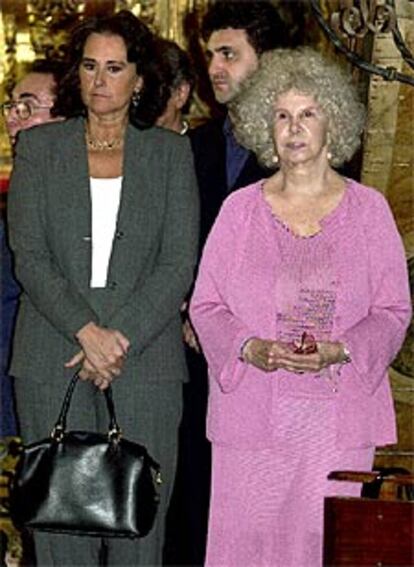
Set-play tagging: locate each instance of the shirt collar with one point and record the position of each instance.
(228, 127)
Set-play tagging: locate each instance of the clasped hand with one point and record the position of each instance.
(189, 336)
(269, 355)
(102, 355)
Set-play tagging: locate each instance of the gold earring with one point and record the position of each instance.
(136, 95)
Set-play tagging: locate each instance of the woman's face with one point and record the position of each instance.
(300, 128)
(107, 79)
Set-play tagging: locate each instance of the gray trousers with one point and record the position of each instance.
(148, 413)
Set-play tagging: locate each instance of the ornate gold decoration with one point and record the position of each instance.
(48, 23)
(144, 9)
(9, 454)
(166, 17)
(8, 72)
(10, 64)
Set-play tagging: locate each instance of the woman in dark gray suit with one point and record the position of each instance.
(103, 219)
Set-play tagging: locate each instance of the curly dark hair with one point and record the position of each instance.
(260, 20)
(176, 68)
(140, 47)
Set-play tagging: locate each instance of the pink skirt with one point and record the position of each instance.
(266, 507)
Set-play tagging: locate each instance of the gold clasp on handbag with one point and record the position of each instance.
(57, 433)
(115, 434)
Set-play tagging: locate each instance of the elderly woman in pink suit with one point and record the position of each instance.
(300, 304)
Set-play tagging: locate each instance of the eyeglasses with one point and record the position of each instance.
(22, 108)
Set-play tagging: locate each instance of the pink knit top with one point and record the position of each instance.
(348, 282)
(305, 297)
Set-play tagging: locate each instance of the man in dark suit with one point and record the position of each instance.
(9, 297)
(30, 105)
(236, 34)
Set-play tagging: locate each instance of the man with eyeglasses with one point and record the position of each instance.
(31, 101)
(32, 98)
(30, 105)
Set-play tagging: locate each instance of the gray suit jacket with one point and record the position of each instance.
(152, 261)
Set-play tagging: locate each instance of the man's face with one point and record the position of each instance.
(36, 92)
(231, 61)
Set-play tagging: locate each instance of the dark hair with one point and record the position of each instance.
(260, 20)
(54, 67)
(175, 67)
(140, 46)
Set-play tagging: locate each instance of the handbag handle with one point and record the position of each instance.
(114, 431)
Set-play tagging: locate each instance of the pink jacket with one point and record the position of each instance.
(232, 301)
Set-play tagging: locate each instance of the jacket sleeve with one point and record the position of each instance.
(36, 268)
(158, 299)
(220, 331)
(375, 340)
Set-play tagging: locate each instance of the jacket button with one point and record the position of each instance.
(113, 285)
(119, 234)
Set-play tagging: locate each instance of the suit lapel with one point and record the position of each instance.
(136, 185)
(251, 172)
(74, 197)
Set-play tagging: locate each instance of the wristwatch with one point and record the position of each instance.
(241, 351)
(347, 355)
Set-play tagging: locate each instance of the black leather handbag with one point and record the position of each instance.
(86, 483)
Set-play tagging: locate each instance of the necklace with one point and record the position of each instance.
(104, 145)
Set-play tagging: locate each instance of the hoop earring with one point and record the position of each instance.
(136, 97)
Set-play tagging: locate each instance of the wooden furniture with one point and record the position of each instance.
(364, 531)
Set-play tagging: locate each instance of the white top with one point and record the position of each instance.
(105, 198)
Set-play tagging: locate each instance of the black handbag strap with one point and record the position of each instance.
(59, 429)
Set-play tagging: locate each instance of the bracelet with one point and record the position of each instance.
(244, 343)
(347, 355)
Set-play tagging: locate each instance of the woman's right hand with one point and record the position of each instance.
(270, 355)
(264, 354)
(104, 349)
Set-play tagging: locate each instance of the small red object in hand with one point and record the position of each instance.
(306, 344)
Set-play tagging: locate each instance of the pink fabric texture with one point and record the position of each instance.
(267, 506)
(298, 427)
(234, 299)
